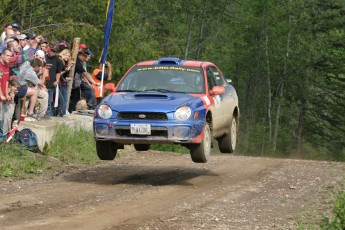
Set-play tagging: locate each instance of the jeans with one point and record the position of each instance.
(63, 93)
(51, 92)
(88, 93)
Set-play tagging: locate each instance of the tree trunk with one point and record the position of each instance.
(269, 92)
(201, 33)
(281, 92)
(188, 37)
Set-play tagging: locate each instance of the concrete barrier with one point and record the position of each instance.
(45, 129)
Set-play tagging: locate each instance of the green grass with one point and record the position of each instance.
(69, 146)
(18, 162)
(73, 146)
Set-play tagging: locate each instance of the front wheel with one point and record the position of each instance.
(227, 143)
(106, 150)
(201, 152)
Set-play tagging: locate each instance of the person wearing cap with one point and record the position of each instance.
(15, 26)
(23, 42)
(82, 83)
(55, 66)
(63, 45)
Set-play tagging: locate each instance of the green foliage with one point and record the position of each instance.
(291, 55)
(338, 221)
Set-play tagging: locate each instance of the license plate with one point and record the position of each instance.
(141, 129)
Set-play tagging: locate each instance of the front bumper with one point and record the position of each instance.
(161, 132)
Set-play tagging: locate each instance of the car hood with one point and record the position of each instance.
(163, 102)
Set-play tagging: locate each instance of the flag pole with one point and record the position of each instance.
(107, 30)
(103, 65)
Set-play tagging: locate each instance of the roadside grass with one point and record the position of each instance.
(73, 145)
(69, 146)
(335, 219)
(20, 163)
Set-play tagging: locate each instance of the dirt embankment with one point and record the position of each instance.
(154, 190)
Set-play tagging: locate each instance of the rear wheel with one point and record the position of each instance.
(227, 143)
(142, 147)
(201, 152)
(106, 150)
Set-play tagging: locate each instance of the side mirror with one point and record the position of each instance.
(110, 87)
(217, 90)
(228, 81)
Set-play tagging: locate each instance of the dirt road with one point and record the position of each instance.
(153, 190)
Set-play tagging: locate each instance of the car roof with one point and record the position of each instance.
(173, 62)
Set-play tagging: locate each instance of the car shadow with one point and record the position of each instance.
(134, 174)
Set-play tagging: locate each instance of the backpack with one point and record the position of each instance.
(26, 138)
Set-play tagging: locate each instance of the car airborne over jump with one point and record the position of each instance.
(169, 101)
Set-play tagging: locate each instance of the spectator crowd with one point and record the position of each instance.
(35, 78)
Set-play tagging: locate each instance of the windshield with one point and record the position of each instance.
(163, 79)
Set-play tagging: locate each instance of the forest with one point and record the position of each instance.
(286, 59)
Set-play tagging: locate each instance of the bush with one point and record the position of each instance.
(338, 221)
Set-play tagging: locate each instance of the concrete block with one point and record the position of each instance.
(45, 129)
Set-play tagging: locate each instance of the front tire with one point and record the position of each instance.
(106, 150)
(142, 147)
(201, 152)
(227, 143)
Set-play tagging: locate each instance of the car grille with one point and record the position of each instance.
(125, 131)
(142, 116)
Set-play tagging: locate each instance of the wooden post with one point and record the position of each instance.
(73, 59)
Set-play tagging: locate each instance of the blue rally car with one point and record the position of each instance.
(169, 101)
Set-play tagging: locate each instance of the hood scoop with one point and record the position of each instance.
(150, 96)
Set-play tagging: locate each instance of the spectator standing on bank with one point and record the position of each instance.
(82, 83)
(6, 98)
(65, 56)
(55, 66)
(97, 77)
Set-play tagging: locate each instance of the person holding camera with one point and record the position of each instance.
(97, 77)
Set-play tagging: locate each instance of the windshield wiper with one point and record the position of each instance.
(127, 90)
(160, 90)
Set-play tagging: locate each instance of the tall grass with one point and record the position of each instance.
(73, 145)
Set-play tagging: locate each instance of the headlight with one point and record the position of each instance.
(183, 113)
(104, 111)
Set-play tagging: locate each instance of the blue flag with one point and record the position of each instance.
(107, 30)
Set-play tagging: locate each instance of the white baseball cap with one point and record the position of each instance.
(40, 53)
